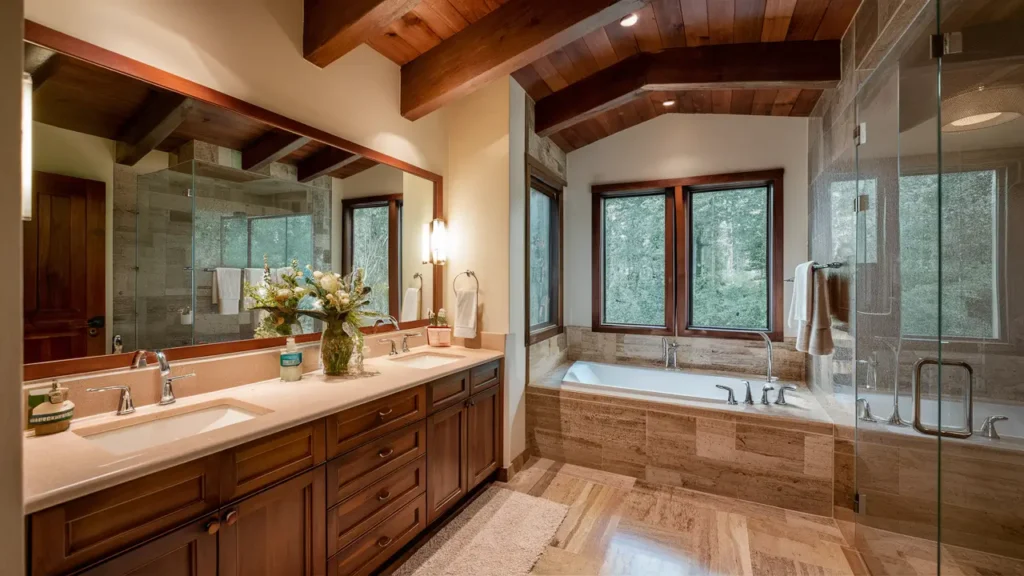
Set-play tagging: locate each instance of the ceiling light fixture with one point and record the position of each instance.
(668, 103)
(982, 107)
(629, 20)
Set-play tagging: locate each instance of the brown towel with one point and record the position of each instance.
(815, 337)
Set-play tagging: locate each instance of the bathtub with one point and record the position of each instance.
(952, 413)
(657, 382)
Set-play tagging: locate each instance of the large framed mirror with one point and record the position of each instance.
(155, 199)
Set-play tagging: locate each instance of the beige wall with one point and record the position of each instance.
(68, 153)
(12, 524)
(676, 146)
(252, 49)
(417, 209)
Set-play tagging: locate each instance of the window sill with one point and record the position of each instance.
(542, 334)
(638, 330)
(774, 336)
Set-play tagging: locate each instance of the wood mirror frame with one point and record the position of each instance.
(69, 46)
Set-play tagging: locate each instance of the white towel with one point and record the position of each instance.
(410, 305)
(800, 305)
(253, 276)
(465, 313)
(227, 289)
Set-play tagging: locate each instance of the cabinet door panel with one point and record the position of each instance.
(188, 551)
(484, 414)
(361, 424)
(279, 531)
(484, 376)
(446, 460)
(93, 527)
(255, 465)
(447, 391)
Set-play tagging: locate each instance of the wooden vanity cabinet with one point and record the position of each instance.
(187, 551)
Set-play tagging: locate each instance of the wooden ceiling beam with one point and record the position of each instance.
(333, 28)
(271, 147)
(802, 64)
(503, 41)
(324, 162)
(160, 116)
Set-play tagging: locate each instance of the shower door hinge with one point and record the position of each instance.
(856, 502)
(860, 134)
(946, 44)
(862, 203)
(188, 192)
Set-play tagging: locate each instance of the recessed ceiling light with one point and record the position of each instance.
(668, 103)
(629, 20)
(976, 119)
(982, 107)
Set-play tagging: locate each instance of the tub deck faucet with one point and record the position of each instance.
(671, 350)
(768, 344)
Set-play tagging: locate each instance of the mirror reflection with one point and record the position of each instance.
(151, 211)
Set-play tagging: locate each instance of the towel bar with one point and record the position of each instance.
(822, 267)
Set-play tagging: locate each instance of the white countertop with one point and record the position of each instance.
(65, 466)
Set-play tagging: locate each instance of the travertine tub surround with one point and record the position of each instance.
(61, 467)
(761, 454)
(727, 355)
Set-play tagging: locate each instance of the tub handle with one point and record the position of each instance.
(732, 398)
(764, 393)
(781, 398)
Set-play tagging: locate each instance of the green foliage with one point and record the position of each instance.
(541, 213)
(729, 264)
(370, 232)
(634, 260)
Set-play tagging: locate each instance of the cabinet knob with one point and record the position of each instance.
(231, 518)
(384, 541)
(384, 495)
(212, 527)
(386, 452)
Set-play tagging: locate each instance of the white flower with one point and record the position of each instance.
(300, 290)
(318, 275)
(284, 294)
(441, 312)
(330, 283)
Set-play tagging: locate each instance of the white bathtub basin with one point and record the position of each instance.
(657, 382)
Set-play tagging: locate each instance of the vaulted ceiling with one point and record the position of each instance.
(591, 76)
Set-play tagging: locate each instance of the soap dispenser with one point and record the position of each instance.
(291, 362)
(55, 414)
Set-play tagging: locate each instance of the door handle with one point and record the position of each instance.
(212, 527)
(968, 428)
(96, 322)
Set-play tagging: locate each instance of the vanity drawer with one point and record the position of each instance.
(253, 466)
(447, 391)
(355, 516)
(369, 463)
(361, 424)
(484, 376)
(374, 548)
(80, 532)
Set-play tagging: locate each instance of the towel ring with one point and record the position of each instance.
(469, 273)
(419, 277)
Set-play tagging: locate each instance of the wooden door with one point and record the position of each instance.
(282, 530)
(65, 269)
(483, 435)
(446, 460)
(188, 551)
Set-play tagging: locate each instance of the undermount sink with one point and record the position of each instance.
(427, 360)
(132, 434)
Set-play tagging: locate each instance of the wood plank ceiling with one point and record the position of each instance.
(662, 24)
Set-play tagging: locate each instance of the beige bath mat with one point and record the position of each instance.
(502, 533)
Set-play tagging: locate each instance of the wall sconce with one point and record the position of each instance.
(26, 146)
(435, 242)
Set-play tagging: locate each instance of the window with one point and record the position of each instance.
(970, 255)
(693, 256)
(543, 253)
(371, 241)
(246, 240)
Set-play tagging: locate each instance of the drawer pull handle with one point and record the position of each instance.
(384, 413)
(231, 518)
(384, 541)
(212, 527)
(386, 452)
(384, 495)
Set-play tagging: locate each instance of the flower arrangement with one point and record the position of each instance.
(281, 300)
(439, 334)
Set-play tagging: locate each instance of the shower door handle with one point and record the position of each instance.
(968, 428)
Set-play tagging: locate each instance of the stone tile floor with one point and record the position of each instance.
(617, 525)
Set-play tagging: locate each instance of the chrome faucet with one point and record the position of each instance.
(749, 400)
(768, 344)
(125, 404)
(671, 350)
(988, 429)
(139, 359)
(864, 411)
(394, 350)
(781, 398)
(764, 393)
(167, 390)
(731, 400)
(389, 320)
(405, 340)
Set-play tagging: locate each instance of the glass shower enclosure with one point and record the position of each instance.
(195, 217)
(939, 297)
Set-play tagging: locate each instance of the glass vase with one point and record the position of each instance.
(336, 348)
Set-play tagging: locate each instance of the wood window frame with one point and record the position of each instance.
(394, 205)
(677, 248)
(551, 184)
